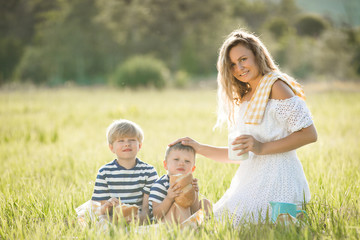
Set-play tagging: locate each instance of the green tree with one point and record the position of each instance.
(333, 55)
(69, 46)
(311, 25)
(254, 13)
(18, 19)
(288, 10)
(353, 39)
(168, 30)
(278, 27)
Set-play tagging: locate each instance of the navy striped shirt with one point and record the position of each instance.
(159, 189)
(129, 185)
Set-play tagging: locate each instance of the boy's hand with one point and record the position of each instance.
(113, 202)
(143, 217)
(109, 204)
(173, 192)
(130, 218)
(195, 184)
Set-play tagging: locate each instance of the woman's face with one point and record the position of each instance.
(243, 65)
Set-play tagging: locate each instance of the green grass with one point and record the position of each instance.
(52, 142)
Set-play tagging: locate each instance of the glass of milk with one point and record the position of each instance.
(233, 154)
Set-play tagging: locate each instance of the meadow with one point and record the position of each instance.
(52, 142)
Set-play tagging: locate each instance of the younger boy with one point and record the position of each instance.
(125, 178)
(179, 159)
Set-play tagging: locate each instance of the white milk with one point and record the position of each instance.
(233, 153)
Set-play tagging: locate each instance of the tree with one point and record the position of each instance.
(18, 19)
(311, 25)
(69, 46)
(166, 29)
(254, 13)
(353, 40)
(278, 27)
(288, 9)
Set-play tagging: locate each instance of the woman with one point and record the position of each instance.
(255, 98)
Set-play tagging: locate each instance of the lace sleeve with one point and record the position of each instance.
(294, 114)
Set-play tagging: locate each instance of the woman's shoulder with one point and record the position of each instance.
(280, 91)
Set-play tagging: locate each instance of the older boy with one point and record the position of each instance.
(125, 178)
(179, 159)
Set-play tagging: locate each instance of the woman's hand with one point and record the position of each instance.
(188, 142)
(248, 143)
(293, 141)
(219, 154)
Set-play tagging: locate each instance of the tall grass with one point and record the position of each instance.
(52, 143)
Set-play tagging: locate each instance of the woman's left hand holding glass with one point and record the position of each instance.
(248, 143)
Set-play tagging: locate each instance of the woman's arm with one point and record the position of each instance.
(280, 90)
(219, 154)
(291, 142)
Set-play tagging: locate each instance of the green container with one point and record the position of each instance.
(283, 208)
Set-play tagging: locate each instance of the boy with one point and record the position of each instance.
(125, 178)
(179, 159)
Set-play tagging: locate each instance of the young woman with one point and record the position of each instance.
(255, 98)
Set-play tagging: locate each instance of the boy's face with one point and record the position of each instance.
(125, 147)
(180, 162)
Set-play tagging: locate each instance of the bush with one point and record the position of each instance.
(333, 57)
(140, 71)
(353, 40)
(311, 25)
(181, 79)
(278, 27)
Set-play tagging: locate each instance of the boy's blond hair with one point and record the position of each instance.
(179, 146)
(124, 128)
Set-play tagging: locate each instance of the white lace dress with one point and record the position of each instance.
(263, 178)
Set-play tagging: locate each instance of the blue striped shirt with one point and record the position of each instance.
(159, 189)
(129, 185)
